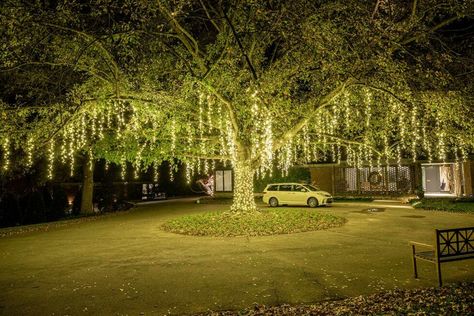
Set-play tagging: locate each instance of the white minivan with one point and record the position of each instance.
(295, 194)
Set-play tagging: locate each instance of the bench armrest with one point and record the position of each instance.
(415, 243)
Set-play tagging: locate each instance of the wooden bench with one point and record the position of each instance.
(450, 245)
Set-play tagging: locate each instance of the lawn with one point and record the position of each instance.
(449, 205)
(127, 264)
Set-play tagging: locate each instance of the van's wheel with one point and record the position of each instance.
(312, 202)
(273, 202)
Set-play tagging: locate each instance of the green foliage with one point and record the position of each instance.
(299, 175)
(263, 222)
(444, 204)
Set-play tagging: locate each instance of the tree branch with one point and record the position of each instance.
(206, 157)
(247, 59)
(392, 94)
(433, 29)
(44, 63)
(209, 16)
(413, 10)
(185, 37)
(347, 141)
(110, 59)
(323, 101)
(230, 109)
(375, 10)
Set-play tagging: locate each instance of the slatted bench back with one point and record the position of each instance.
(455, 242)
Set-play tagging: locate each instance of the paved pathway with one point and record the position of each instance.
(127, 265)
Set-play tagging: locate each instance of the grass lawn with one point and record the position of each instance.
(127, 264)
(449, 205)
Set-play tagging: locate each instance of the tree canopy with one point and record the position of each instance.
(254, 84)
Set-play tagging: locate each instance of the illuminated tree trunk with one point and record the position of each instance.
(87, 205)
(243, 187)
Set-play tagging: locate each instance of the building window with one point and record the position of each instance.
(374, 180)
(224, 181)
(442, 179)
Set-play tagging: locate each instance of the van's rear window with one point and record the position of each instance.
(272, 188)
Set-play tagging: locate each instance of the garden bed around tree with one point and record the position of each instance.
(261, 223)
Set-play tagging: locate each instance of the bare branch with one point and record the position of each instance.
(321, 103)
(45, 63)
(433, 29)
(185, 37)
(106, 54)
(392, 94)
(413, 10)
(345, 142)
(375, 9)
(209, 16)
(247, 59)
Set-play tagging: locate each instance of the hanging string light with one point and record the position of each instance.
(255, 133)
(51, 159)
(29, 152)
(346, 111)
(386, 151)
(188, 170)
(267, 157)
(368, 109)
(123, 168)
(425, 143)
(82, 133)
(414, 132)
(173, 137)
(463, 150)
(156, 174)
(91, 159)
(222, 136)
(401, 125)
(100, 124)
(440, 133)
(209, 113)
(306, 143)
(171, 171)
(230, 141)
(399, 155)
(6, 154)
(338, 157)
(314, 151)
(205, 166)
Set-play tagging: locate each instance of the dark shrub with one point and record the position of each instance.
(48, 201)
(419, 192)
(35, 208)
(76, 204)
(59, 203)
(10, 212)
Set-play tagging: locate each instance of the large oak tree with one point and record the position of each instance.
(255, 84)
